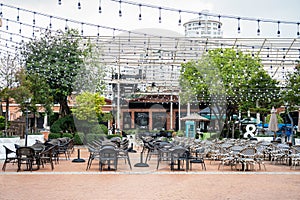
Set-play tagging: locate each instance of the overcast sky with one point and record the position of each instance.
(278, 10)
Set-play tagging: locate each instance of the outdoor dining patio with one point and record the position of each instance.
(157, 155)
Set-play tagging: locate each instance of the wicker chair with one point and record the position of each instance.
(247, 158)
(26, 156)
(108, 156)
(10, 157)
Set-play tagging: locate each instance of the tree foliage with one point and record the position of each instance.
(291, 93)
(56, 59)
(228, 80)
(88, 106)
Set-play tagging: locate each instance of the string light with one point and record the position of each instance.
(33, 20)
(298, 33)
(100, 9)
(120, 11)
(278, 31)
(79, 5)
(18, 16)
(258, 27)
(239, 26)
(179, 21)
(66, 25)
(20, 29)
(159, 15)
(219, 24)
(33, 31)
(140, 14)
(199, 23)
(81, 28)
(1, 13)
(59, 2)
(50, 24)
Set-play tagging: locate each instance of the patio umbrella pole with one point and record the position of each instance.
(141, 164)
(78, 159)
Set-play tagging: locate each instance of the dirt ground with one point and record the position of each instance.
(70, 180)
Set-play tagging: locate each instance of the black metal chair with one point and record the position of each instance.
(26, 156)
(10, 157)
(179, 154)
(46, 156)
(198, 158)
(108, 156)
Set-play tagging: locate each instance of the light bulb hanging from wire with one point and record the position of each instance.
(66, 25)
(18, 16)
(81, 28)
(50, 24)
(298, 33)
(278, 30)
(120, 11)
(1, 13)
(179, 21)
(100, 9)
(159, 15)
(239, 26)
(33, 20)
(33, 31)
(140, 14)
(20, 29)
(199, 23)
(79, 5)
(59, 2)
(258, 28)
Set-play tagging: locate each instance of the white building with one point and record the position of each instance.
(204, 27)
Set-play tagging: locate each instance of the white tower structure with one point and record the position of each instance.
(203, 27)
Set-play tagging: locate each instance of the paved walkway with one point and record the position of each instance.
(70, 181)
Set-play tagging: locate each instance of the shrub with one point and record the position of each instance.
(2, 122)
(64, 124)
(68, 135)
(99, 129)
(180, 133)
(78, 138)
(91, 137)
(54, 135)
(113, 135)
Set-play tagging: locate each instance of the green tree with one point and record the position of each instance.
(31, 91)
(291, 91)
(9, 67)
(56, 59)
(227, 80)
(88, 106)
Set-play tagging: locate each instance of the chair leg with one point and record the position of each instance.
(129, 163)
(4, 166)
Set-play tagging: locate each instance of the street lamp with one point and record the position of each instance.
(27, 102)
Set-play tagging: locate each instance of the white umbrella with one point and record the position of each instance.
(194, 117)
(273, 123)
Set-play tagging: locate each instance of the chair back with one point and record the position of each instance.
(179, 152)
(108, 154)
(248, 152)
(7, 151)
(25, 152)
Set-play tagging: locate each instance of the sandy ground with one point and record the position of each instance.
(70, 180)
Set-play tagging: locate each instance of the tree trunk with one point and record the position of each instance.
(6, 115)
(64, 108)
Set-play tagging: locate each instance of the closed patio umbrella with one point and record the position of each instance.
(273, 123)
(298, 129)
